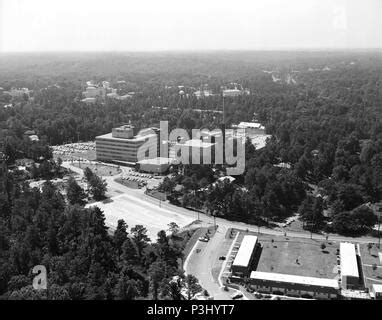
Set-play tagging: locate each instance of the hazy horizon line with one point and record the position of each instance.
(275, 49)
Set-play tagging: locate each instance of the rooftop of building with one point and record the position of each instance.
(288, 278)
(197, 143)
(232, 90)
(244, 254)
(136, 138)
(252, 125)
(230, 178)
(377, 288)
(348, 258)
(124, 127)
(34, 137)
(89, 100)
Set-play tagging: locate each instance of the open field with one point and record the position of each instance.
(136, 211)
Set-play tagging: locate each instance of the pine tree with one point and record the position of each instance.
(74, 192)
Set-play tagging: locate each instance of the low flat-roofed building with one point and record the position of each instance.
(349, 266)
(89, 100)
(18, 92)
(196, 149)
(293, 285)
(112, 95)
(203, 93)
(252, 127)
(34, 137)
(93, 92)
(377, 291)
(229, 178)
(124, 97)
(155, 165)
(232, 92)
(244, 257)
(106, 84)
(197, 143)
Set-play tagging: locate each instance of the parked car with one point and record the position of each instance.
(222, 258)
(237, 296)
(204, 239)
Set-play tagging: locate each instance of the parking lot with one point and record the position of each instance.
(231, 254)
(75, 151)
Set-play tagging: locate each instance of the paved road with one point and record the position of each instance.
(201, 264)
(115, 188)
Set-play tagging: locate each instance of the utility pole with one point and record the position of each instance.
(379, 234)
(223, 111)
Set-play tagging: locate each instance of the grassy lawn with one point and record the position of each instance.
(368, 259)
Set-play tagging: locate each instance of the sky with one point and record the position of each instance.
(156, 25)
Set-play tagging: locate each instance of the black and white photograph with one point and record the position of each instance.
(191, 157)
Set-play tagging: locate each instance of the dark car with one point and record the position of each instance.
(236, 296)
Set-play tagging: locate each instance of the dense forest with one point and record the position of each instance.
(326, 125)
(84, 259)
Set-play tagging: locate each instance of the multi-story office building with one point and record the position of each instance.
(121, 145)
